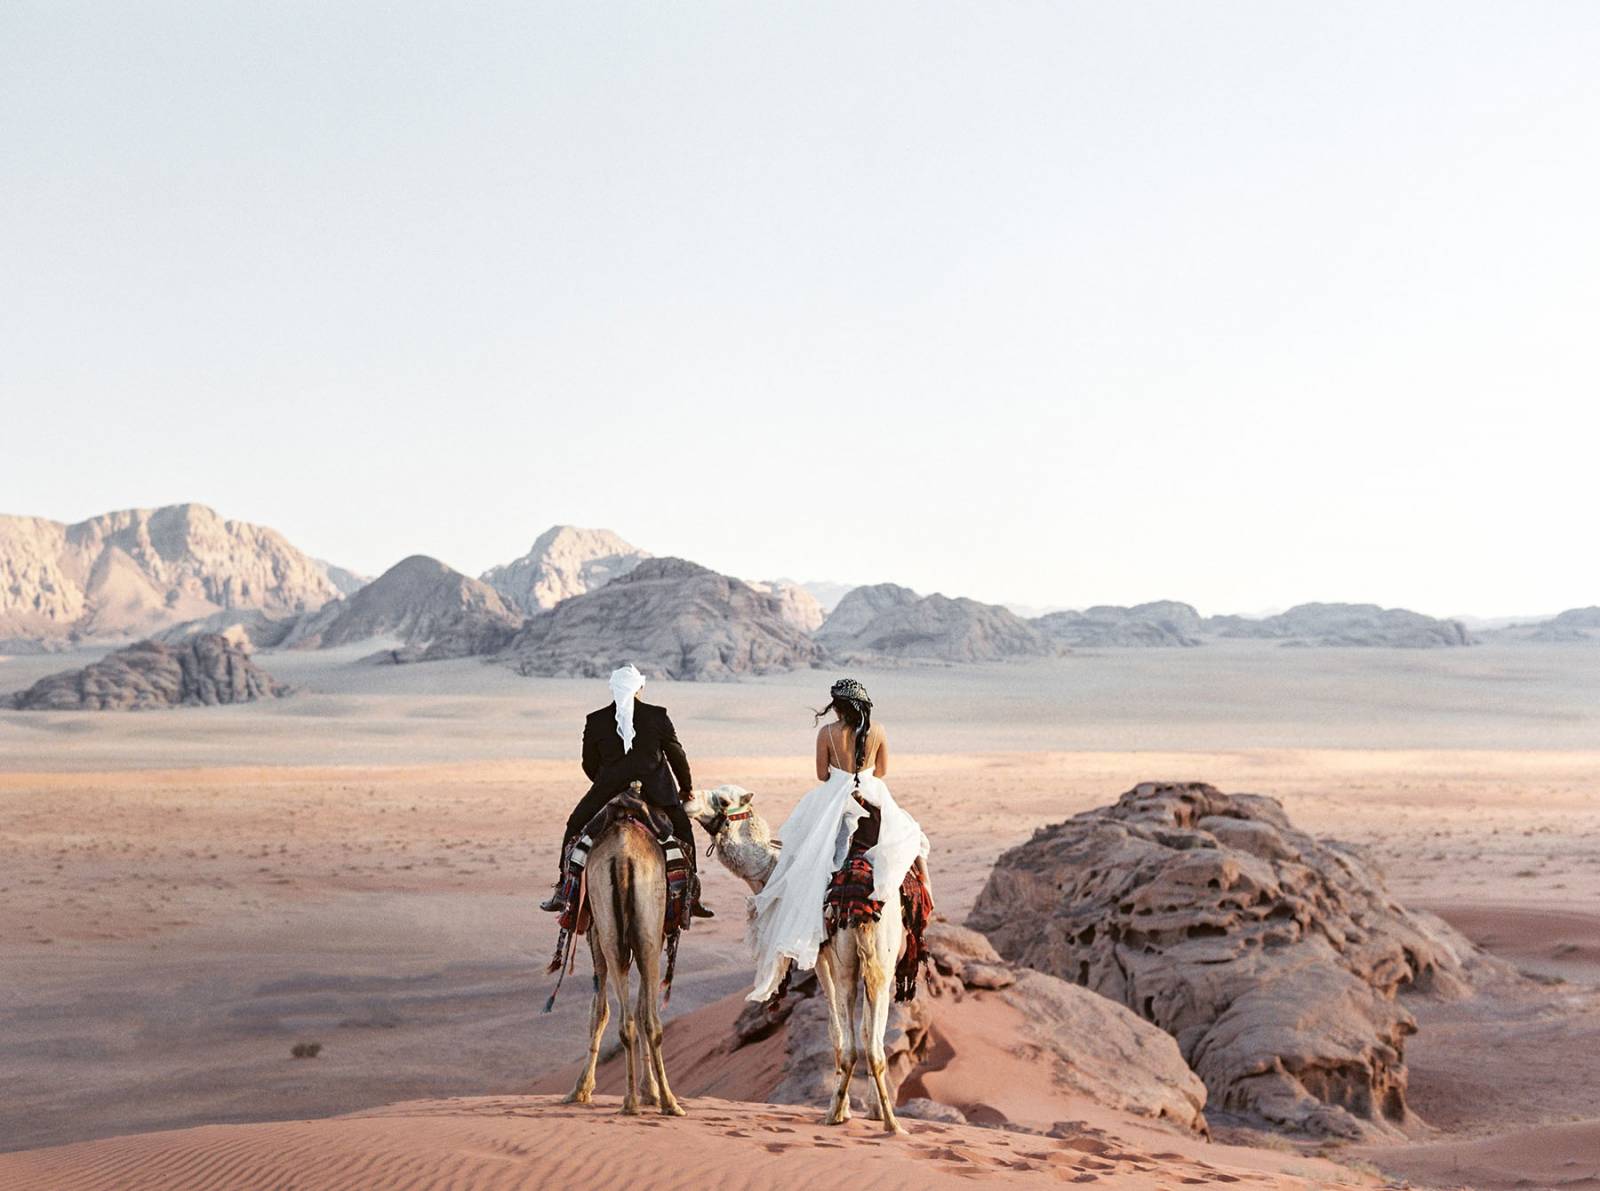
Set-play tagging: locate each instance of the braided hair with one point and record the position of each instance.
(850, 699)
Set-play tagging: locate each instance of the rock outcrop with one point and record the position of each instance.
(436, 611)
(1162, 623)
(140, 570)
(1075, 1040)
(886, 621)
(672, 619)
(1273, 958)
(206, 670)
(1345, 624)
(564, 561)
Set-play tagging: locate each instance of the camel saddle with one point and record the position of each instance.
(629, 807)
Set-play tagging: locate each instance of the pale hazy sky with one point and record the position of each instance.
(1243, 304)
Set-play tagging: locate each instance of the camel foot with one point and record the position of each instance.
(893, 1127)
(576, 1098)
(629, 1108)
(673, 1109)
(836, 1117)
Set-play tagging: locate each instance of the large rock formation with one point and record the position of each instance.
(563, 562)
(437, 611)
(889, 621)
(207, 669)
(1160, 623)
(672, 619)
(1071, 1040)
(1345, 624)
(132, 572)
(1275, 959)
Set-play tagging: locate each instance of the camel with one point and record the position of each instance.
(852, 961)
(627, 895)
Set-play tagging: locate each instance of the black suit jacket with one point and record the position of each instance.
(657, 758)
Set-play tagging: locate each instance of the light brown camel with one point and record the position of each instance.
(851, 962)
(627, 896)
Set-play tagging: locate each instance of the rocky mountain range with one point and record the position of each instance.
(205, 670)
(887, 621)
(181, 572)
(672, 619)
(129, 573)
(1344, 624)
(1161, 623)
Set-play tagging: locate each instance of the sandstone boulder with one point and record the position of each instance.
(207, 669)
(1273, 958)
(1072, 1039)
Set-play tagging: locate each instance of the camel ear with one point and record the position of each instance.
(746, 797)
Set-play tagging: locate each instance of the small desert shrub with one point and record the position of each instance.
(306, 1050)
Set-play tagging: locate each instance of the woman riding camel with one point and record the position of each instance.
(852, 805)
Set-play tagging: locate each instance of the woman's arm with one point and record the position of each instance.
(822, 753)
(880, 767)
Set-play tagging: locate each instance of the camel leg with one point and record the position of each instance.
(650, 1028)
(877, 945)
(599, 1014)
(627, 1027)
(840, 988)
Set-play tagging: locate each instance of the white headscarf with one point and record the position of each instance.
(625, 684)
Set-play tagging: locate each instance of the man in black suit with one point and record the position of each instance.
(631, 741)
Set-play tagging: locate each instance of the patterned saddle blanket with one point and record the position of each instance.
(849, 902)
(625, 809)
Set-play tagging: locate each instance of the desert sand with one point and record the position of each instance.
(187, 894)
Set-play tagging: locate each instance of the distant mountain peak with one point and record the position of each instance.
(564, 561)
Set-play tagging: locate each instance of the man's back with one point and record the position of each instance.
(654, 741)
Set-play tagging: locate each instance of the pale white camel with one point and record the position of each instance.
(627, 895)
(853, 962)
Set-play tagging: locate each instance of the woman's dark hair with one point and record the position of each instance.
(857, 715)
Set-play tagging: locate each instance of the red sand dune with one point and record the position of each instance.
(488, 1143)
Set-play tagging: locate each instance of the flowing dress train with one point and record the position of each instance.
(786, 924)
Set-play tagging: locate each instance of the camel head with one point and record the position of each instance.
(742, 839)
(711, 808)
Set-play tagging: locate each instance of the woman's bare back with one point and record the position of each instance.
(836, 746)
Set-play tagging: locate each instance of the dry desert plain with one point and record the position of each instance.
(186, 894)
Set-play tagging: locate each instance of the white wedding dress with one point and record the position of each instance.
(786, 916)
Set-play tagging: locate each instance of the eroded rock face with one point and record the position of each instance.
(886, 621)
(208, 669)
(1273, 958)
(672, 619)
